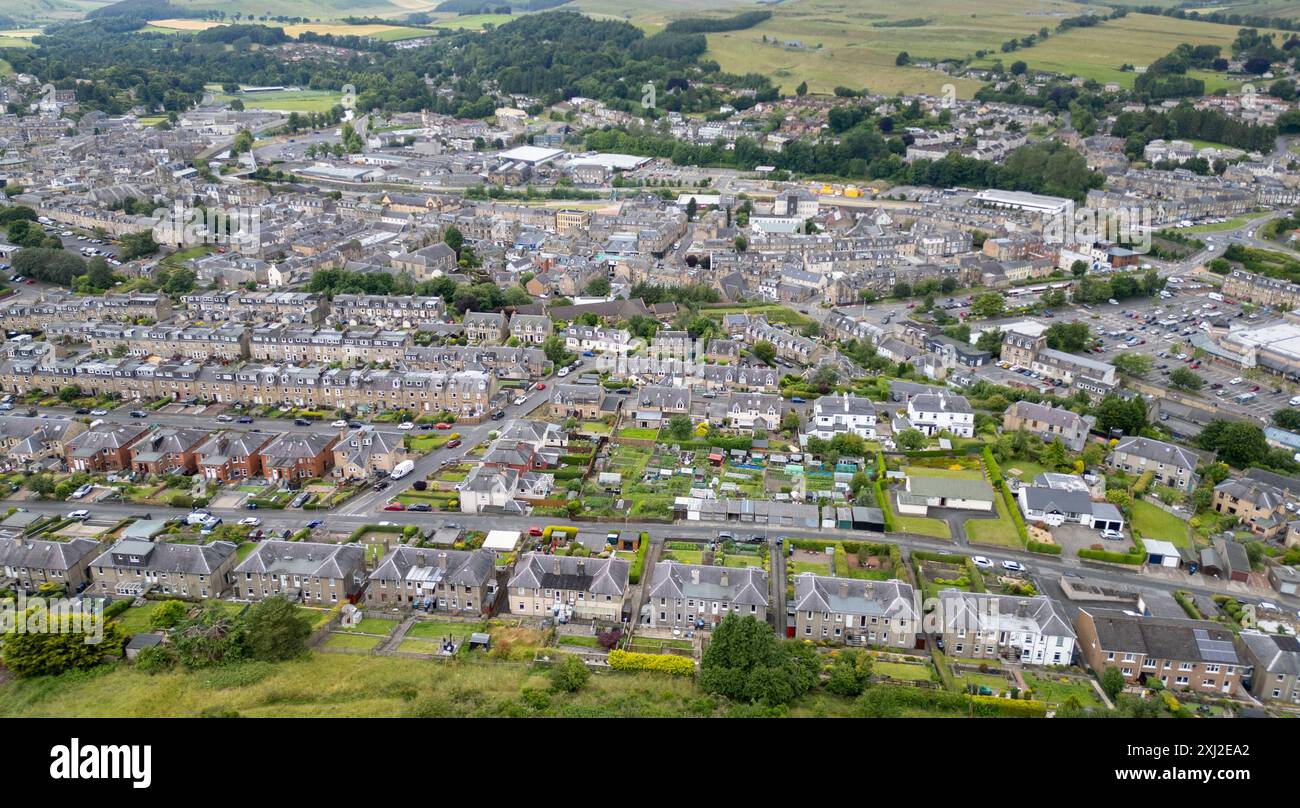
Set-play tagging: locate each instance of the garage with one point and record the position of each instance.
(1162, 554)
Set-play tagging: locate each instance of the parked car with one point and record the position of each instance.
(245, 419)
(452, 444)
(99, 412)
(534, 531)
(138, 414)
(80, 513)
(380, 486)
(394, 506)
(442, 425)
(1114, 535)
(406, 425)
(420, 506)
(251, 521)
(1013, 566)
(981, 561)
(83, 491)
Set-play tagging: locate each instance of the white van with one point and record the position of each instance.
(1295, 401)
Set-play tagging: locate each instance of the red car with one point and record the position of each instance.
(541, 385)
(453, 443)
(534, 531)
(442, 425)
(1254, 388)
(394, 506)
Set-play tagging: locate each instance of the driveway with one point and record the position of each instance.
(957, 520)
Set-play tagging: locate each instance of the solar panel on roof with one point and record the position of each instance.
(1213, 650)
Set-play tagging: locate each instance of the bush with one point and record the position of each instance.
(659, 663)
(569, 675)
(158, 659)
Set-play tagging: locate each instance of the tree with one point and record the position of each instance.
(1185, 379)
(912, 440)
(69, 393)
(556, 351)
(211, 637)
(569, 675)
(692, 207)
(989, 304)
(138, 245)
(168, 615)
(902, 289)
(1134, 364)
(276, 630)
(1069, 337)
(454, 239)
(1018, 68)
(802, 89)
(1112, 682)
(1287, 418)
(765, 351)
(990, 340)
(61, 648)
(597, 286)
(849, 673)
(1237, 443)
(745, 662)
(1128, 416)
(99, 275)
(902, 58)
(680, 426)
(243, 142)
(741, 243)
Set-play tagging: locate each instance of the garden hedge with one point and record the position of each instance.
(660, 663)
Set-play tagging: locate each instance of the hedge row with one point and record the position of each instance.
(1133, 559)
(1045, 549)
(1010, 708)
(943, 558)
(638, 565)
(660, 663)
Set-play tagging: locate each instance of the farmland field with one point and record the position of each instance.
(830, 43)
(387, 33)
(285, 100)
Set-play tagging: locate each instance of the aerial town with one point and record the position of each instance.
(716, 398)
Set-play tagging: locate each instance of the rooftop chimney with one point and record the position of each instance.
(555, 565)
(695, 575)
(1022, 608)
(724, 578)
(442, 561)
(844, 589)
(419, 559)
(582, 565)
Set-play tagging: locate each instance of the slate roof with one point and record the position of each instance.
(1275, 653)
(600, 576)
(970, 610)
(1158, 451)
(746, 586)
(819, 593)
(44, 555)
(458, 567)
(316, 559)
(1172, 638)
(197, 559)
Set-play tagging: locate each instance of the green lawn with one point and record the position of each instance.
(1154, 523)
(1001, 531)
(373, 625)
(924, 526)
(355, 642)
(1053, 689)
(638, 433)
(437, 630)
(902, 670)
(960, 474)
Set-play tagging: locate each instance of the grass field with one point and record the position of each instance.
(1138, 39)
(829, 43)
(1154, 523)
(386, 33)
(346, 685)
(1053, 689)
(285, 100)
(1001, 531)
